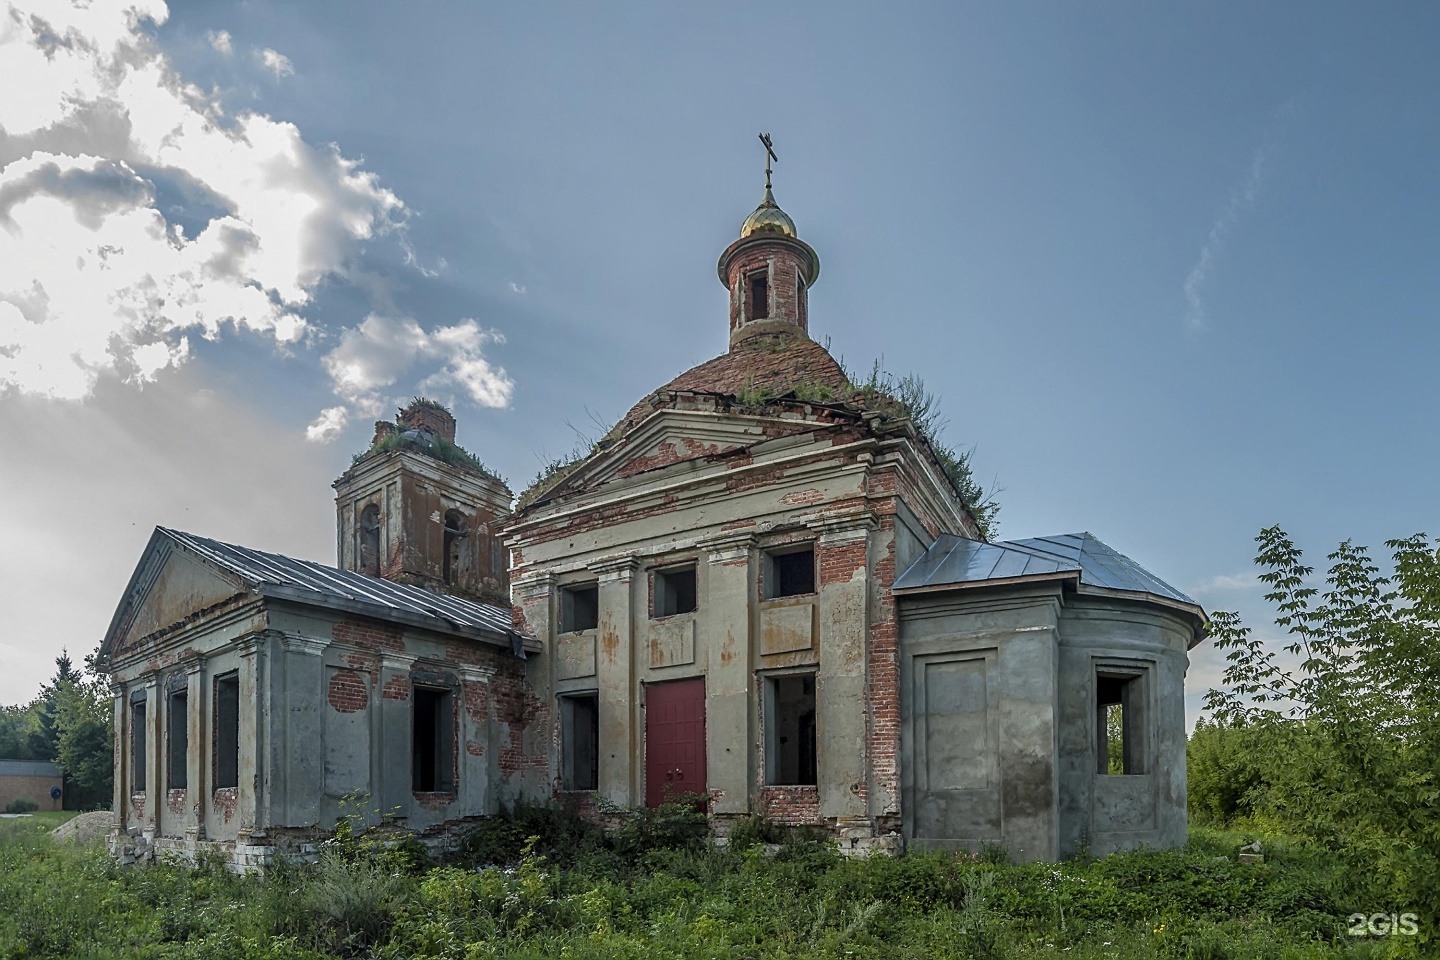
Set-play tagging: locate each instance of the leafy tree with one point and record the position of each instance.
(85, 750)
(71, 724)
(1226, 780)
(43, 739)
(15, 723)
(1349, 738)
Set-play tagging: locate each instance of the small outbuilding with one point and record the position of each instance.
(34, 780)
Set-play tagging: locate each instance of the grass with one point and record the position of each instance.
(44, 821)
(663, 893)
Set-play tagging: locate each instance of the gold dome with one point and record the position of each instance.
(768, 218)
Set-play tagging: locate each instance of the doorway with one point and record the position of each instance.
(674, 739)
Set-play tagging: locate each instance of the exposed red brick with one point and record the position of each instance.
(477, 701)
(225, 800)
(883, 686)
(803, 497)
(347, 692)
(422, 416)
(397, 689)
(474, 748)
(370, 634)
(838, 563)
(669, 454)
(365, 663)
(792, 806)
(773, 364)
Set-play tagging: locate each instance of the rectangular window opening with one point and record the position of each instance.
(579, 608)
(432, 741)
(790, 574)
(580, 738)
(1119, 728)
(227, 731)
(137, 746)
(177, 724)
(758, 294)
(790, 731)
(674, 592)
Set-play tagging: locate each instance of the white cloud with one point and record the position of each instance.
(516, 287)
(276, 63)
(1240, 200)
(220, 40)
(95, 277)
(1244, 580)
(374, 356)
(328, 426)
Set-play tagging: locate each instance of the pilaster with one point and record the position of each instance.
(252, 734)
(618, 705)
(154, 755)
(391, 719)
(197, 769)
(725, 635)
(842, 562)
(475, 747)
(304, 696)
(120, 795)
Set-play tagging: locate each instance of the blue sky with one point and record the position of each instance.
(1172, 270)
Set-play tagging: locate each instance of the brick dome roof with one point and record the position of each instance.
(771, 365)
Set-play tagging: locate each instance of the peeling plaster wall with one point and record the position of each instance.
(413, 493)
(326, 711)
(1000, 719)
(718, 491)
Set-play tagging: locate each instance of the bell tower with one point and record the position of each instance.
(769, 270)
(417, 508)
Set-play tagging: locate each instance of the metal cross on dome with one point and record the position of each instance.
(769, 155)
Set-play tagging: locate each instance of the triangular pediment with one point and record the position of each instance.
(169, 586)
(677, 439)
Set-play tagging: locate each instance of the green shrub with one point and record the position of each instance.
(559, 833)
(21, 805)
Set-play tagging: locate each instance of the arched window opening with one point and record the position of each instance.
(370, 541)
(456, 530)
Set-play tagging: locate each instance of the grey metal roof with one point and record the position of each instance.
(1081, 556)
(29, 768)
(305, 581)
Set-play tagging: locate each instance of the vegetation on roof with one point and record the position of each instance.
(428, 444)
(894, 397)
(907, 397)
(553, 471)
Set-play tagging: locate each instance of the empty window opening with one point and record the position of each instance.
(580, 740)
(432, 741)
(370, 540)
(457, 528)
(227, 731)
(137, 745)
(579, 608)
(790, 574)
(1119, 732)
(758, 294)
(790, 731)
(177, 725)
(674, 592)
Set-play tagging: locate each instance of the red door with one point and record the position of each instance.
(674, 739)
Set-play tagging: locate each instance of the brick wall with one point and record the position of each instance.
(36, 789)
(792, 806)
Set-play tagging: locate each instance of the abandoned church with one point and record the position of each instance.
(764, 586)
